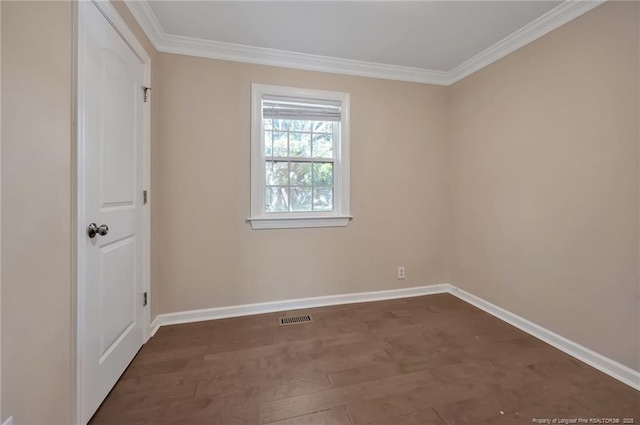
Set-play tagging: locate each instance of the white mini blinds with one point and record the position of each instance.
(299, 158)
(296, 108)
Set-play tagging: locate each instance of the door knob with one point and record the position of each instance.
(93, 230)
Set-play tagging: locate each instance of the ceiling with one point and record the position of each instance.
(434, 35)
(426, 41)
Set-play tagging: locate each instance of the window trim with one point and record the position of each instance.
(340, 216)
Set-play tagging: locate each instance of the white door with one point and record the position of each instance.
(110, 158)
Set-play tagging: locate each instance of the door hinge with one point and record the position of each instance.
(145, 299)
(146, 93)
(144, 197)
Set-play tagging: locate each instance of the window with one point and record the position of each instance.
(299, 158)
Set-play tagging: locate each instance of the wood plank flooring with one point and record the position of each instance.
(416, 361)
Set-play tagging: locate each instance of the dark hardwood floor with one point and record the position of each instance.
(415, 361)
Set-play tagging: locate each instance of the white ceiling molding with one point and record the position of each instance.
(263, 56)
(555, 18)
(274, 57)
(168, 43)
(141, 10)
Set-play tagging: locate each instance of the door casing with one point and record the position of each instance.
(112, 15)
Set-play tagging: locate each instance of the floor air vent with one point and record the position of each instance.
(295, 320)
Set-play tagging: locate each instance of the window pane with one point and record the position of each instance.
(323, 126)
(300, 199)
(300, 125)
(279, 143)
(323, 174)
(300, 144)
(300, 174)
(323, 146)
(268, 146)
(268, 124)
(280, 124)
(276, 199)
(276, 173)
(323, 198)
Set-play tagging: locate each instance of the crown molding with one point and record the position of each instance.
(274, 57)
(181, 45)
(555, 18)
(168, 43)
(141, 10)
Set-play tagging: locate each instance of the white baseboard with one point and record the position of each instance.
(604, 364)
(9, 421)
(154, 326)
(274, 306)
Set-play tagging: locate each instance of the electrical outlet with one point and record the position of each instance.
(400, 272)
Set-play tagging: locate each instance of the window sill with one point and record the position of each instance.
(258, 223)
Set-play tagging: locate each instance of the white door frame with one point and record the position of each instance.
(79, 231)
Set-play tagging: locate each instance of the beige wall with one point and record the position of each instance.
(544, 182)
(36, 211)
(210, 256)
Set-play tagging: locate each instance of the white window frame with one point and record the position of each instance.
(340, 215)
